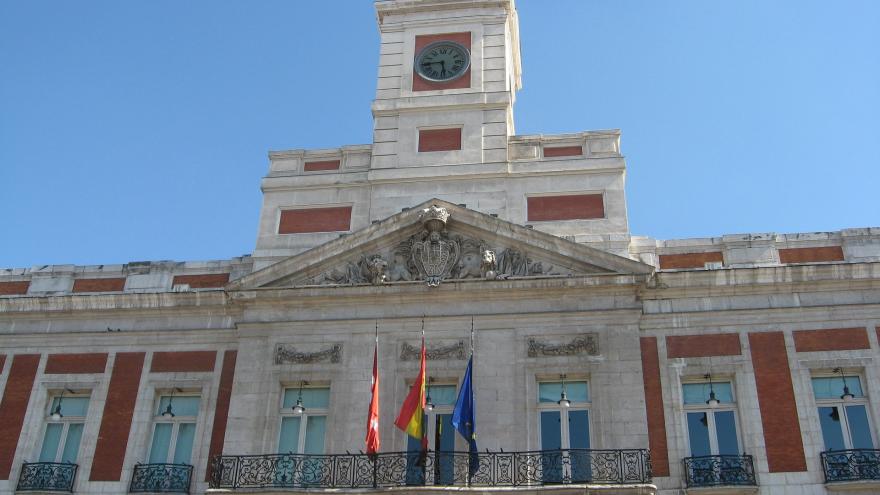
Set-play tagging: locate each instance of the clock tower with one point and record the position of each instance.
(448, 75)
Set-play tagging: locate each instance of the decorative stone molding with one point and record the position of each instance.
(581, 344)
(288, 354)
(433, 255)
(452, 351)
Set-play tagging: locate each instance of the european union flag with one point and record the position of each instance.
(463, 417)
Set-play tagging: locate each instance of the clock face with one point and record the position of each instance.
(443, 61)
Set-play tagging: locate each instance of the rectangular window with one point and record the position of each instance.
(564, 426)
(303, 428)
(713, 437)
(64, 427)
(711, 425)
(302, 432)
(174, 429)
(843, 414)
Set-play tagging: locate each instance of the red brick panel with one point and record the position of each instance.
(14, 406)
(421, 84)
(811, 255)
(563, 151)
(439, 140)
(685, 346)
(569, 207)
(305, 220)
(99, 285)
(116, 419)
(14, 288)
(221, 410)
(204, 281)
(835, 339)
(779, 414)
(321, 165)
(654, 406)
(164, 362)
(76, 363)
(689, 260)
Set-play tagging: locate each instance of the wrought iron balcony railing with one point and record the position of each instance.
(46, 477)
(161, 478)
(432, 468)
(851, 465)
(719, 470)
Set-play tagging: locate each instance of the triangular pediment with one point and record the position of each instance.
(434, 242)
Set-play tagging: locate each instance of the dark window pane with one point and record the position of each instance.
(725, 427)
(859, 431)
(551, 440)
(698, 433)
(829, 418)
(579, 438)
(444, 438)
(551, 433)
(579, 429)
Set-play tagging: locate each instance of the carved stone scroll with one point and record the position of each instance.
(581, 344)
(287, 354)
(452, 351)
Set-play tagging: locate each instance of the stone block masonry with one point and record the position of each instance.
(164, 362)
(439, 140)
(14, 405)
(76, 363)
(565, 207)
(811, 254)
(686, 346)
(306, 220)
(221, 410)
(116, 420)
(654, 406)
(835, 339)
(779, 415)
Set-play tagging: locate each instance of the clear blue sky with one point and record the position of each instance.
(139, 130)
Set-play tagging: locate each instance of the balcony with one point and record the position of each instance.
(859, 466)
(719, 471)
(46, 477)
(620, 468)
(161, 478)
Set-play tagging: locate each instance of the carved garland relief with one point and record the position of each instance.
(288, 354)
(409, 352)
(582, 344)
(434, 255)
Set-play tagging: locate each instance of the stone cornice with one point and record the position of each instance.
(209, 300)
(762, 280)
(798, 317)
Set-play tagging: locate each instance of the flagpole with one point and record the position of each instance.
(376, 456)
(472, 335)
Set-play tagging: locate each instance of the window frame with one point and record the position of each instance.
(842, 405)
(287, 412)
(710, 415)
(176, 421)
(431, 416)
(65, 421)
(564, 432)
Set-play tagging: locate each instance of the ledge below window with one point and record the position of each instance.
(580, 489)
(722, 490)
(862, 486)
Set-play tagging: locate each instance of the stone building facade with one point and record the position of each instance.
(737, 364)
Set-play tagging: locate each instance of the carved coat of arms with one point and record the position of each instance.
(436, 255)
